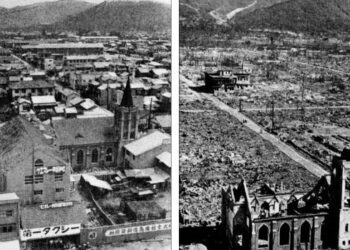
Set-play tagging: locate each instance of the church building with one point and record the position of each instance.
(274, 218)
(98, 142)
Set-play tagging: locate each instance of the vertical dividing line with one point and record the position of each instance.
(175, 93)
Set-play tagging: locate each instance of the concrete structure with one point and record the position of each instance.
(34, 169)
(9, 217)
(227, 78)
(40, 177)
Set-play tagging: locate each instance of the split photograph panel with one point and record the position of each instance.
(85, 124)
(264, 124)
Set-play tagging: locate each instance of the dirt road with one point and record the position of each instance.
(289, 151)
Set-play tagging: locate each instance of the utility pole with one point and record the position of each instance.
(150, 115)
(302, 108)
(240, 106)
(272, 115)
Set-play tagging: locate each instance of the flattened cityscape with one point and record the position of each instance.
(85, 127)
(264, 124)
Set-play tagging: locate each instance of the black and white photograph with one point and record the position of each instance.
(264, 117)
(85, 125)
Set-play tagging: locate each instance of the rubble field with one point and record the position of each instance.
(217, 150)
(319, 133)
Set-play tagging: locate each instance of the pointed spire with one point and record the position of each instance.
(127, 97)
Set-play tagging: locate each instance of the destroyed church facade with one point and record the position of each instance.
(274, 218)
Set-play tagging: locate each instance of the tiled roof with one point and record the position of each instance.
(84, 131)
(63, 45)
(31, 85)
(147, 142)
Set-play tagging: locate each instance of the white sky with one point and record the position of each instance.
(13, 3)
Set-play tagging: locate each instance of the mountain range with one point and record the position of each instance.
(75, 15)
(293, 15)
(120, 16)
(40, 13)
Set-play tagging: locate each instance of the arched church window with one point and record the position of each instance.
(284, 234)
(109, 155)
(94, 156)
(80, 157)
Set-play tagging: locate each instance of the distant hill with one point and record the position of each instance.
(40, 13)
(120, 16)
(309, 16)
(204, 7)
(300, 16)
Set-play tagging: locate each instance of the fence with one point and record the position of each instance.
(125, 232)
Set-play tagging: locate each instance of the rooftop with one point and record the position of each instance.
(19, 139)
(31, 85)
(44, 99)
(165, 158)
(8, 197)
(147, 143)
(63, 45)
(164, 120)
(84, 131)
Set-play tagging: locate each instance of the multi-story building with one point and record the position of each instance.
(25, 89)
(9, 220)
(227, 78)
(47, 49)
(74, 60)
(40, 176)
(271, 218)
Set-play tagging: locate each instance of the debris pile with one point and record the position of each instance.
(217, 150)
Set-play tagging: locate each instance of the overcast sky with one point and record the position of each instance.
(13, 3)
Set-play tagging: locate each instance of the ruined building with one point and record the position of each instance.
(274, 218)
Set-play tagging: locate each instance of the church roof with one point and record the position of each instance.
(84, 131)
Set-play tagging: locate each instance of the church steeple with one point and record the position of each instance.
(127, 97)
(127, 120)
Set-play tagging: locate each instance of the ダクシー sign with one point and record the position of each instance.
(49, 232)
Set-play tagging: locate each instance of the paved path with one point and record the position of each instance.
(294, 108)
(289, 151)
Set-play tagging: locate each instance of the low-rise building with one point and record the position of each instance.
(142, 152)
(25, 89)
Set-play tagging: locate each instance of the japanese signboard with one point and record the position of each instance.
(57, 205)
(52, 169)
(49, 232)
(139, 229)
